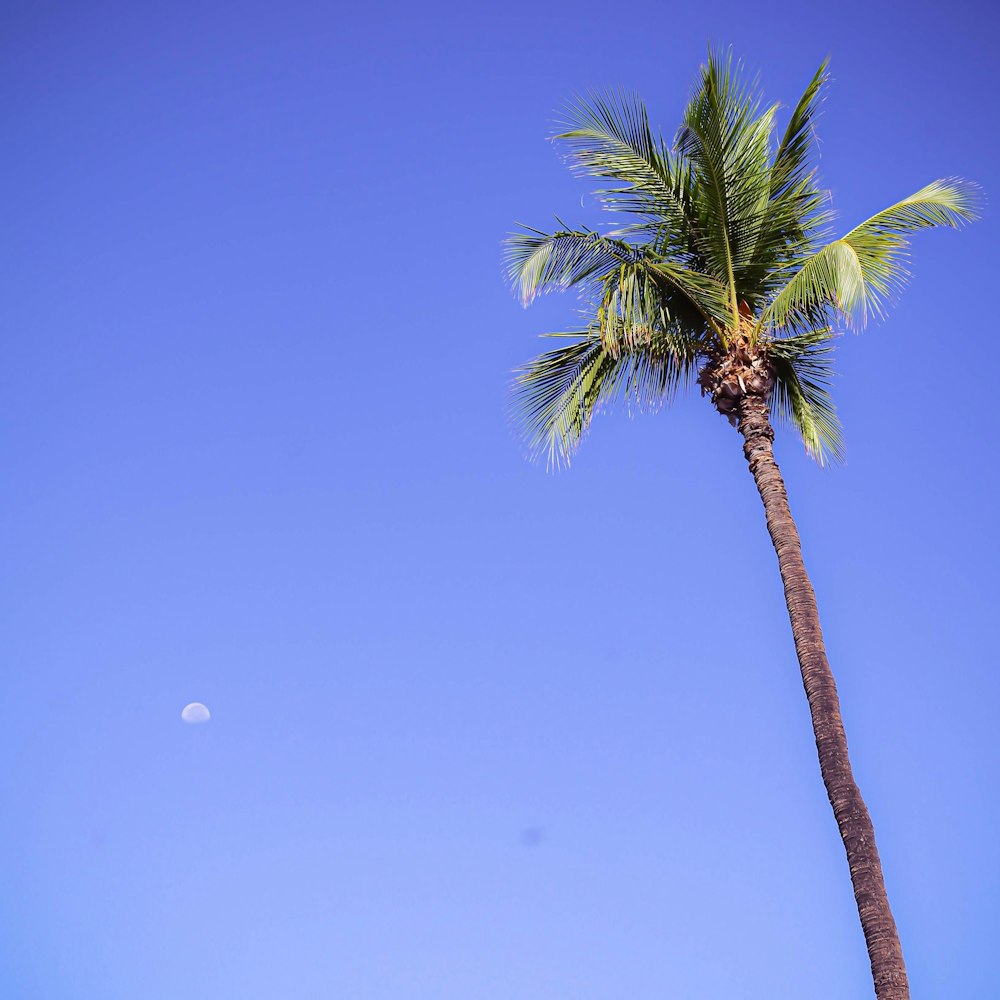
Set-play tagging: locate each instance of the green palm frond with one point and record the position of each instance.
(555, 396)
(797, 208)
(727, 143)
(636, 291)
(793, 159)
(702, 290)
(609, 137)
(648, 296)
(538, 262)
(631, 309)
(858, 273)
(803, 372)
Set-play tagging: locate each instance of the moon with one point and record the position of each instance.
(195, 712)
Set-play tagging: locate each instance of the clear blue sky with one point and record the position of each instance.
(479, 732)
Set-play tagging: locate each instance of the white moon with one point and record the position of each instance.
(196, 712)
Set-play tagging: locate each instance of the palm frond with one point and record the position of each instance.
(538, 262)
(857, 274)
(705, 293)
(880, 247)
(609, 137)
(555, 396)
(803, 372)
(637, 292)
(793, 159)
(797, 209)
(651, 296)
(727, 144)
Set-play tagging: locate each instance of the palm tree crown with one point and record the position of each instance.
(724, 272)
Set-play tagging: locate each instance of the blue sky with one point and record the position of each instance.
(478, 731)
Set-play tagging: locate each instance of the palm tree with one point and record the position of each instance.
(724, 275)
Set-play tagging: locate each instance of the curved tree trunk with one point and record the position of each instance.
(888, 969)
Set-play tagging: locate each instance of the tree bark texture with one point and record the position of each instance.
(856, 831)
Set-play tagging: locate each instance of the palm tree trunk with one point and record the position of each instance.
(888, 969)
